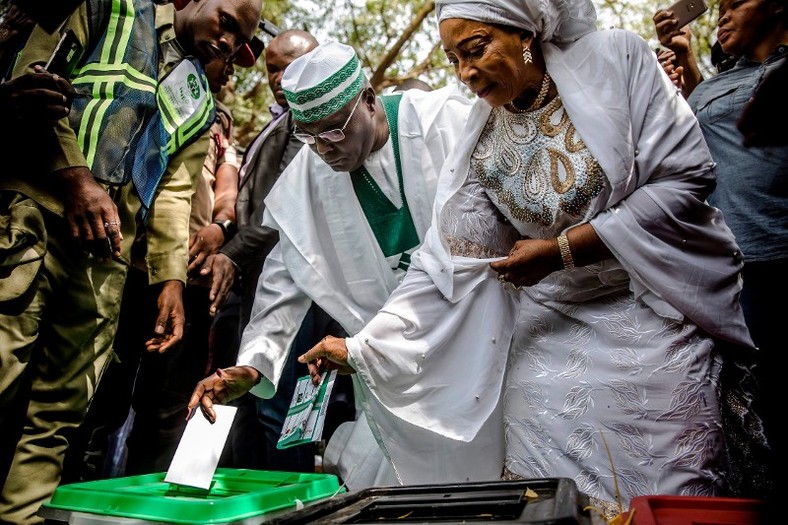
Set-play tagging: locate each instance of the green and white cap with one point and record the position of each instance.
(321, 82)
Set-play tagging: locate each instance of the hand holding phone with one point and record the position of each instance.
(685, 11)
(670, 31)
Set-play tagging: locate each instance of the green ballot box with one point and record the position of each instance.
(237, 497)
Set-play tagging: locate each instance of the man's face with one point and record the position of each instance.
(349, 153)
(219, 72)
(281, 51)
(276, 60)
(215, 29)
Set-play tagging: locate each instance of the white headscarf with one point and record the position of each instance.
(557, 21)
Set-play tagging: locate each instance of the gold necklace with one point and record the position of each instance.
(537, 101)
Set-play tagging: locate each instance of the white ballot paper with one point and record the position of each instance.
(200, 447)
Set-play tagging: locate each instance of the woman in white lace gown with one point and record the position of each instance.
(575, 291)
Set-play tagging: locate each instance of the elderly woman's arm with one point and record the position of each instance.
(531, 260)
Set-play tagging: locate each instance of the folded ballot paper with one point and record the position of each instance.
(200, 447)
(307, 412)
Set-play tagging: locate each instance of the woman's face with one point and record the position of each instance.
(743, 24)
(487, 59)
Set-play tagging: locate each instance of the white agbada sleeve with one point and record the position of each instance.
(682, 259)
(278, 311)
(434, 407)
(327, 252)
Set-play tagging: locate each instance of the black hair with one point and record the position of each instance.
(721, 60)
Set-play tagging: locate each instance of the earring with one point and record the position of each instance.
(527, 56)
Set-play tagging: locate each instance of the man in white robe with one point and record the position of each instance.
(349, 210)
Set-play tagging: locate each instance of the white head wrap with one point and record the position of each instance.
(321, 82)
(557, 21)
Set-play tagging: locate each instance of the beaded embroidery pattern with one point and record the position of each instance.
(534, 165)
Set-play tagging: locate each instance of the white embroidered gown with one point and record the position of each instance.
(589, 362)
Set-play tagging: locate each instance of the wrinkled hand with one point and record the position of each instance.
(223, 386)
(670, 35)
(529, 261)
(91, 214)
(171, 319)
(329, 354)
(222, 270)
(38, 97)
(202, 244)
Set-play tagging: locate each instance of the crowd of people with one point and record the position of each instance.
(565, 274)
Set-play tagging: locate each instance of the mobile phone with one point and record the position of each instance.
(67, 53)
(685, 11)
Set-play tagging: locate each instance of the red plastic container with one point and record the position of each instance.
(691, 510)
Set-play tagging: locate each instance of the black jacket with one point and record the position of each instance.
(252, 242)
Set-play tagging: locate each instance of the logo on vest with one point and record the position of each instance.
(194, 86)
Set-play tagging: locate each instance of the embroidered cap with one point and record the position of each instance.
(321, 82)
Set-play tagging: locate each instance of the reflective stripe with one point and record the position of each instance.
(106, 74)
(118, 72)
(184, 132)
(90, 125)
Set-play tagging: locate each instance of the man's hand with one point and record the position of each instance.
(203, 244)
(329, 354)
(171, 319)
(223, 386)
(16, 23)
(91, 214)
(222, 269)
(36, 98)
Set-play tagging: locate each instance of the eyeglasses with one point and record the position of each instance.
(332, 135)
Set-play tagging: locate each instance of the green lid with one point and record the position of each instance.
(234, 494)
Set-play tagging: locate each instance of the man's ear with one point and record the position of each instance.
(368, 96)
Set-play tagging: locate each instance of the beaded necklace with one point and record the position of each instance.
(537, 101)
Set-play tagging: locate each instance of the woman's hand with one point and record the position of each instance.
(529, 261)
(667, 60)
(677, 39)
(329, 354)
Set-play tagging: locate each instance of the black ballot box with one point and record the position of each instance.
(549, 501)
